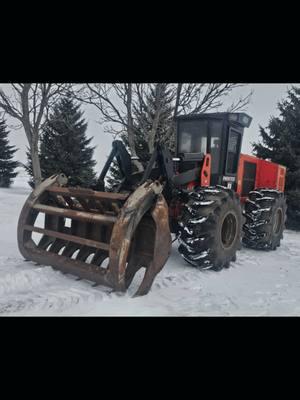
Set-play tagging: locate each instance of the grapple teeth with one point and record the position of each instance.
(82, 228)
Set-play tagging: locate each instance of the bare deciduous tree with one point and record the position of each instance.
(154, 112)
(121, 104)
(115, 103)
(159, 91)
(28, 103)
(195, 98)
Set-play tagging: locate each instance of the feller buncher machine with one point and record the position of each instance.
(212, 197)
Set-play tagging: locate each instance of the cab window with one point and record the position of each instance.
(192, 137)
(234, 142)
(215, 129)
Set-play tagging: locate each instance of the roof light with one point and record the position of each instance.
(241, 118)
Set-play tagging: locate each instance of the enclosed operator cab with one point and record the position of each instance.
(216, 134)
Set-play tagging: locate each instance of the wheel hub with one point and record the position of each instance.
(228, 230)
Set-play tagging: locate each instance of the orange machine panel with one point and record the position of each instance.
(281, 178)
(241, 170)
(265, 174)
(206, 171)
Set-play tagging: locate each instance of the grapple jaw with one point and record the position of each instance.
(81, 230)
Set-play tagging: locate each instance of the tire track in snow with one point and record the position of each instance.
(251, 286)
(27, 288)
(52, 298)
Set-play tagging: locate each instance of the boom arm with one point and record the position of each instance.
(124, 161)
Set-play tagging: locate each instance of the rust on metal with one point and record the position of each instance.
(68, 238)
(84, 228)
(87, 193)
(77, 215)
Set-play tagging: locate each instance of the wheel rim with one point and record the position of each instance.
(277, 221)
(228, 230)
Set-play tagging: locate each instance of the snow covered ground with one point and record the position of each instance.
(258, 283)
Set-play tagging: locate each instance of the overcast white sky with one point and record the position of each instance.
(263, 104)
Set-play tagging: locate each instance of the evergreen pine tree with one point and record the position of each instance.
(281, 144)
(7, 165)
(28, 168)
(64, 147)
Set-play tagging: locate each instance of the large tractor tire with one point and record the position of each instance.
(210, 228)
(265, 212)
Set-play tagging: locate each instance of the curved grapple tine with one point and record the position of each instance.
(160, 245)
(141, 238)
(132, 231)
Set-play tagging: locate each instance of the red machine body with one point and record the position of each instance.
(209, 219)
(255, 173)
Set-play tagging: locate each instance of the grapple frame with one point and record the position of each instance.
(130, 230)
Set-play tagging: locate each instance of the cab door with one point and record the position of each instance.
(233, 150)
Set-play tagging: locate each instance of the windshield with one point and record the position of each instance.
(192, 137)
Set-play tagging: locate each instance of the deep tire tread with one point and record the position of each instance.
(259, 212)
(198, 241)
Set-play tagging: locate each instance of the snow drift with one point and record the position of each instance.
(258, 283)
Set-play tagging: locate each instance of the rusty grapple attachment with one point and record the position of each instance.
(103, 237)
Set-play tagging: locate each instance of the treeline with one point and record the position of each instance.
(140, 115)
(7, 164)
(64, 146)
(280, 143)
